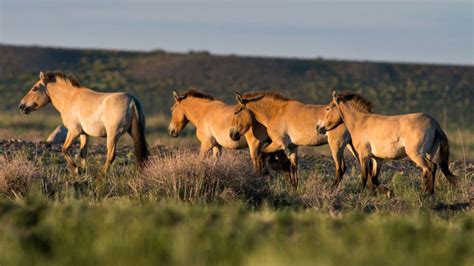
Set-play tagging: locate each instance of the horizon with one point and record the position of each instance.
(404, 32)
(233, 54)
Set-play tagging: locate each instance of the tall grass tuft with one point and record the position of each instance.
(187, 177)
(17, 173)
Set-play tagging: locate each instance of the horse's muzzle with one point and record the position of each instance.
(234, 135)
(173, 133)
(24, 109)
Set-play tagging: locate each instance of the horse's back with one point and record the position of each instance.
(98, 113)
(395, 136)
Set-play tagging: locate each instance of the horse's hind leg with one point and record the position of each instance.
(111, 147)
(429, 170)
(294, 167)
(365, 169)
(83, 151)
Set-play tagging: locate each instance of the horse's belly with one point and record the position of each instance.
(309, 139)
(95, 130)
(230, 144)
(389, 151)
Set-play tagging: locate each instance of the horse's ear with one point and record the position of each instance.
(176, 96)
(334, 95)
(239, 98)
(41, 75)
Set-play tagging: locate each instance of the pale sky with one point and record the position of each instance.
(401, 31)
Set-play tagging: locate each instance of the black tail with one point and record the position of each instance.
(137, 131)
(444, 155)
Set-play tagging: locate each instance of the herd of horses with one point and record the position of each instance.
(270, 125)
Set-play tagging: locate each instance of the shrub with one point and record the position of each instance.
(17, 173)
(187, 177)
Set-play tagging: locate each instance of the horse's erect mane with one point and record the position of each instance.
(197, 94)
(268, 94)
(54, 75)
(356, 101)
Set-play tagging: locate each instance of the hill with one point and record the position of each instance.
(445, 91)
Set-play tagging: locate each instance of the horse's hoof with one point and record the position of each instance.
(390, 194)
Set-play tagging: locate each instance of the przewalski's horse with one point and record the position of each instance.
(289, 124)
(377, 137)
(212, 119)
(85, 113)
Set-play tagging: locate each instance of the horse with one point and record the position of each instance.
(212, 118)
(289, 124)
(378, 137)
(85, 113)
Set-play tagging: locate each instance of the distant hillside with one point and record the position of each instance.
(447, 92)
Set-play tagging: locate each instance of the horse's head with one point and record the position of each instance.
(332, 117)
(242, 119)
(37, 96)
(178, 116)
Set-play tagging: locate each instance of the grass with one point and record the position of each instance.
(184, 210)
(124, 232)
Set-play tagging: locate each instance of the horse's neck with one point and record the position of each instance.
(195, 109)
(263, 110)
(351, 117)
(60, 96)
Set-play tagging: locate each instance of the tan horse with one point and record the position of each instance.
(377, 137)
(289, 124)
(85, 113)
(212, 119)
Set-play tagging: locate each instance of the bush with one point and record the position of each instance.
(187, 177)
(17, 173)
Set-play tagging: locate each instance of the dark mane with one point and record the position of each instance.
(356, 101)
(53, 75)
(196, 94)
(269, 94)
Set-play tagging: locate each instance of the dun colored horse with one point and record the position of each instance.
(85, 113)
(212, 119)
(289, 124)
(377, 137)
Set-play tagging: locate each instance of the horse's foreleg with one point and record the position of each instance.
(376, 165)
(256, 156)
(205, 148)
(71, 136)
(337, 151)
(111, 147)
(83, 150)
(216, 151)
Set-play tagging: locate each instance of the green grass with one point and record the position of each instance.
(124, 232)
(233, 217)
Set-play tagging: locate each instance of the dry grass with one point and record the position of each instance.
(17, 174)
(185, 176)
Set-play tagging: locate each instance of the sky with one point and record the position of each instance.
(401, 31)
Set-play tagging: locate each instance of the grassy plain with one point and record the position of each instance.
(186, 211)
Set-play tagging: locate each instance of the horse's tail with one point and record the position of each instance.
(443, 163)
(137, 131)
